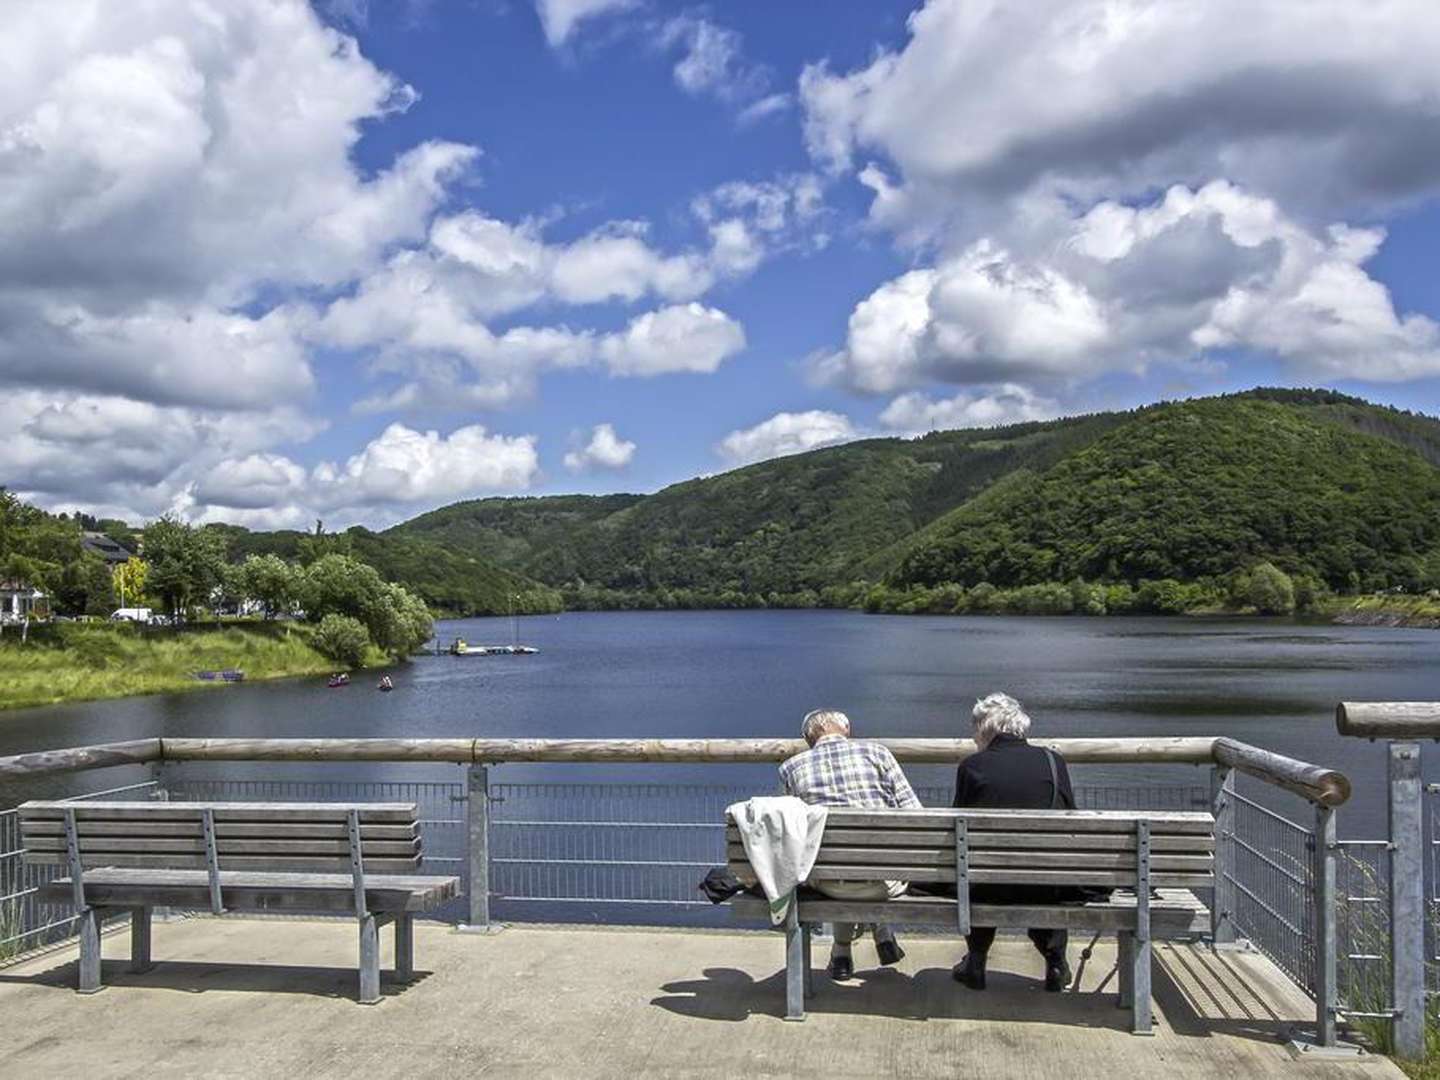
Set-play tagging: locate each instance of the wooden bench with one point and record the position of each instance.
(227, 856)
(1153, 860)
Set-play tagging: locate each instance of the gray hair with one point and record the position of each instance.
(821, 722)
(999, 714)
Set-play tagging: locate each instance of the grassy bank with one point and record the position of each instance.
(1386, 610)
(82, 663)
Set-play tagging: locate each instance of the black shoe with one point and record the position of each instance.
(1057, 972)
(842, 968)
(889, 952)
(971, 971)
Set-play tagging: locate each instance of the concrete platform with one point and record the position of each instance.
(272, 998)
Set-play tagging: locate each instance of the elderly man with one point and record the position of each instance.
(1008, 773)
(840, 771)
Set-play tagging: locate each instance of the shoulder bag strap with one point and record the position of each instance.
(1054, 778)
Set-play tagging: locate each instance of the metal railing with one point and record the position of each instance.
(632, 851)
(1270, 869)
(27, 923)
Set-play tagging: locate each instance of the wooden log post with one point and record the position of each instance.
(1389, 719)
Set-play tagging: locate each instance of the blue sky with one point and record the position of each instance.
(274, 260)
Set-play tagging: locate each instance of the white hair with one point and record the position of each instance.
(999, 714)
(821, 722)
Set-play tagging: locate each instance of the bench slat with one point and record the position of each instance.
(224, 811)
(993, 857)
(258, 891)
(936, 838)
(989, 876)
(96, 847)
(278, 830)
(234, 862)
(1115, 821)
(1177, 912)
(1039, 860)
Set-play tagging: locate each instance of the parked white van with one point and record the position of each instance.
(131, 614)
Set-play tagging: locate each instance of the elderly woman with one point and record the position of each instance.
(1008, 773)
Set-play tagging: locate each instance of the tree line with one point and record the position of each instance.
(185, 572)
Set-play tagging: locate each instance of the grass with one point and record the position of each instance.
(80, 662)
(1399, 609)
(1365, 985)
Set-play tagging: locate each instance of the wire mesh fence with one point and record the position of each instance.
(26, 921)
(1270, 864)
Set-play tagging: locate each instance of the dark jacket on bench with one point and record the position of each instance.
(1010, 774)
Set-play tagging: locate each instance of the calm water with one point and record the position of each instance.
(756, 673)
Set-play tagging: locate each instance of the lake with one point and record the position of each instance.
(755, 673)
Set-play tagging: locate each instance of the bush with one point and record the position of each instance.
(1270, 590)
(343, 639)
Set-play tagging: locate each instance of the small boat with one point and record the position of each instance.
(338, 680)
(227, 675)
(385, 683)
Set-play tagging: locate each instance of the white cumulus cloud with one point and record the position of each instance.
(1122, 287)
(786, 433)
(605, 450)
(1009, 403)
(684, 337)
(1322, 104)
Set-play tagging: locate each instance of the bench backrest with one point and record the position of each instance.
(311, 837)
(1008, 847)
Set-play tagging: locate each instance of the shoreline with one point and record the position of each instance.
(102, 663)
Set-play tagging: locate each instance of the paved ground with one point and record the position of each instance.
(271, 998)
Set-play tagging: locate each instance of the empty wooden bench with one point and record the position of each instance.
(275, 857)
(1153, 860)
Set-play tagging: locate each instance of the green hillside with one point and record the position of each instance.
(783, 526)
(1316, 481)
(1202, 488)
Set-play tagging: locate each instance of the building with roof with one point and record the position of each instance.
(100, 544)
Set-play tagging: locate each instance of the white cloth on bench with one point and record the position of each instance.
(782, 838)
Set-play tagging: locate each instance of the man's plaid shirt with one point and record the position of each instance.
(838, 771)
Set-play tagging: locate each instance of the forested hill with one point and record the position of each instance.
(779, 527)
(1202, 489)
(1315, 481)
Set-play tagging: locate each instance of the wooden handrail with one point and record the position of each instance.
(1326, 787)
(1389, 719)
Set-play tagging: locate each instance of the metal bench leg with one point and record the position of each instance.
(140, 939)
(794, 964)
(89, 928)
(1125, 968)
(404, 947)
(809, 967)
(369, 960)
(1140, 988)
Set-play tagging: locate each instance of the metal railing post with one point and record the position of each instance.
(477, 814)
(1407, 901)
(1327, 989)
(1222, 903)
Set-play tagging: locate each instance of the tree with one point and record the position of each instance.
(130, 579)
(396, 619)
(187, 564)
(1270, 590)
(343, 639)
(273, 583)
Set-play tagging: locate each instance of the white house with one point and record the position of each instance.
(18, 600)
